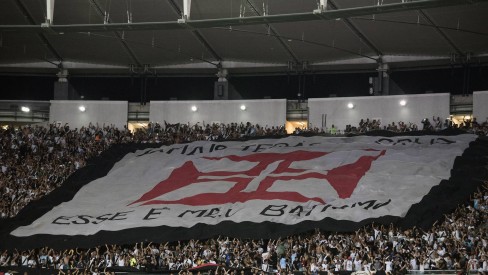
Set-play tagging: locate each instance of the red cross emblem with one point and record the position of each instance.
(343, 179)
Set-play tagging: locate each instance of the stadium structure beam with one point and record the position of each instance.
(322, 6)
(195, 33)
(441, 32)
(122, 42)
(241, 21)
(42, 37)
(275, 33)
(358, 33)
(393, 60)
(49, 11)
(400, 63)
(186, 9)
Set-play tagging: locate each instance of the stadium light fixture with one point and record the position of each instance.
(350, 105)
(82, 108)
(25, 109)
(243, 107)
(194, 108)
(403, 102)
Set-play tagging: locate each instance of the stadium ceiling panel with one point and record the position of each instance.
(323, 40)
(111, 53)
(10, 14)
(414, 39)
(244, 36)
(245, 44)
(154, 47)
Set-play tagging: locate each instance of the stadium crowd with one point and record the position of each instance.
(458, 242)
(436, 124)
(34, 160)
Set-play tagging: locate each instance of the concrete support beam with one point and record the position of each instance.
(383, 79)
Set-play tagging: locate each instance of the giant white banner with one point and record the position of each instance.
(285, 181)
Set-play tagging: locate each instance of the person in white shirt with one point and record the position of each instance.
(31, 262)
(366, 266)
(314, 268)
(108, 261)
(414, 263)
(357, 264)
(484, 264)
(24, 259)
(473, 264)
(265, 266)
(388, 265)
(325, 266)
(121, 261)
(348, 264)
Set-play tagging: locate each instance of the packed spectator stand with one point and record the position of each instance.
(434, 124)
(459, 242)
(35, 160)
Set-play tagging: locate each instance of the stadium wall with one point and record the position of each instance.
(108, 112)
(385, 108)
(263, 112)
(480, 106)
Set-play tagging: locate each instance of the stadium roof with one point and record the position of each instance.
(243, 36)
